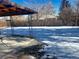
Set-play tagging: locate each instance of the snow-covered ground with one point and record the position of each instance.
(63, 41)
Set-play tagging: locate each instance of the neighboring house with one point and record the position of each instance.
(3, 23)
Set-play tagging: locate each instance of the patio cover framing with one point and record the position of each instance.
(8, 8)
(11, 9)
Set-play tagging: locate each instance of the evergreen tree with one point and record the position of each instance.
(66, 13)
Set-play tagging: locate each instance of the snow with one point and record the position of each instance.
(45, 27)
(61, 40)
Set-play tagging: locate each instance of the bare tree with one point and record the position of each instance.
(77, 12)
(66, 14)
(43, 10)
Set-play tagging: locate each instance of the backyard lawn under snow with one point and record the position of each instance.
(63, 41)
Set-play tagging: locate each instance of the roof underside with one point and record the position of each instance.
(10, 9)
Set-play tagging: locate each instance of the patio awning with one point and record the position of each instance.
(9, 9)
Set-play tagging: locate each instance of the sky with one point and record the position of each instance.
(55, 3)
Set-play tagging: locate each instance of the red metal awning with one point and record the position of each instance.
(9, 9)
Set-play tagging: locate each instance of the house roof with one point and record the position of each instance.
(9, 9)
